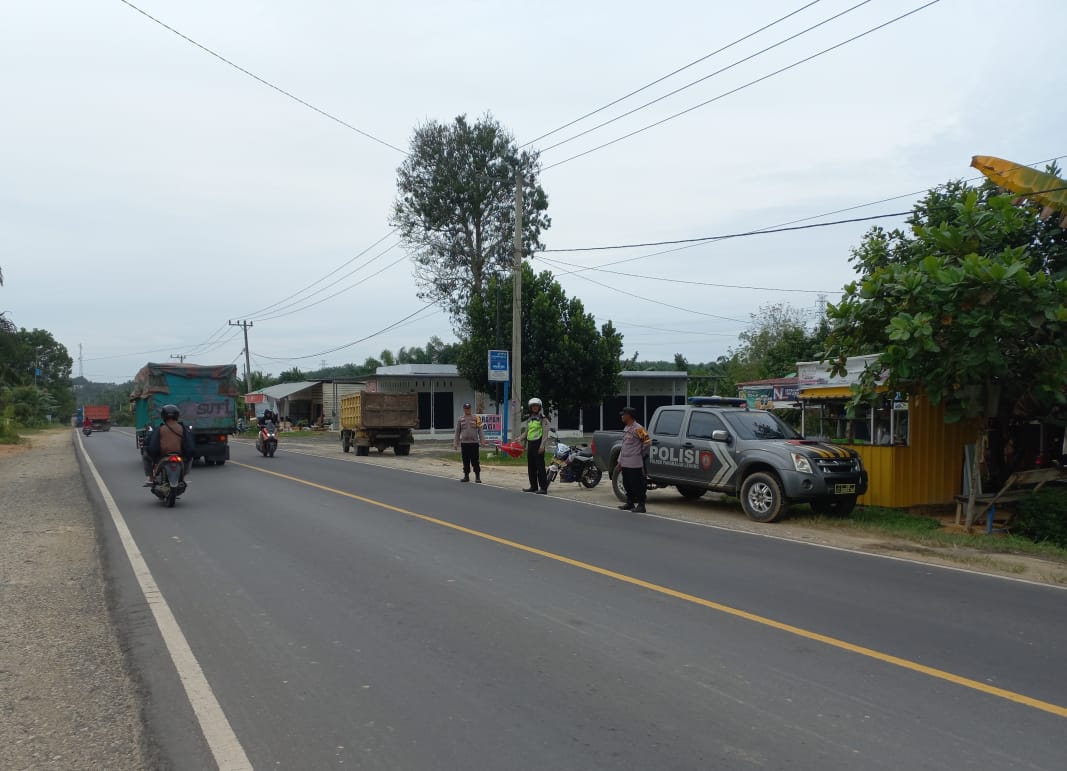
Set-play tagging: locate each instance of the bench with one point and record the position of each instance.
(1017, 486)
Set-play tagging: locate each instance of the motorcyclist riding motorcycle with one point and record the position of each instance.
(171, 437)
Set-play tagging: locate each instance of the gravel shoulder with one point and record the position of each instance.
(711, 511)
(66, 700)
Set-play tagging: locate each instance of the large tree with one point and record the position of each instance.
(970, 309)
(455, 207)
(566, 359)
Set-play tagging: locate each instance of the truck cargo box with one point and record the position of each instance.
(369, 409)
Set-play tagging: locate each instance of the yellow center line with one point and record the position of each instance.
(914, 666)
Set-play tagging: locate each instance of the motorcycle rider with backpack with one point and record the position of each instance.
(172, 437)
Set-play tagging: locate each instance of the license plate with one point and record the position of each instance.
(844, 489)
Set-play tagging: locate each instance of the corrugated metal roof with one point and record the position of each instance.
(283, 390)
(444, 370)
(652, 374)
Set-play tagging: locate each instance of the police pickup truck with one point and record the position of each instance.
(718, 444)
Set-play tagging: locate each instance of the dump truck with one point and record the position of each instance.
(379, 420)
(99, 415)
(204, 395)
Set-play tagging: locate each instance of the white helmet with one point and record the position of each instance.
(536, 401)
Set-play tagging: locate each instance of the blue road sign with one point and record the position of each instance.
(499, 366)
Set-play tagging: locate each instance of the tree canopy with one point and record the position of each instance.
(26, 397)
(566, 359)
(455, 207)
(968, 309)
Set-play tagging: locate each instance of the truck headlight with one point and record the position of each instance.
(857, 463)
(801, 463)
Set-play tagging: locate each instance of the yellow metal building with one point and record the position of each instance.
(913, 458)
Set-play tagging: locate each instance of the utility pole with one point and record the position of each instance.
(248, 359)
(179, 356)
(516, 311)
(81, 367)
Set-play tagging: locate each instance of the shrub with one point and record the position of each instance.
(1042, 517)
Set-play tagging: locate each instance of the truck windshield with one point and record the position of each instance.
(759, 425)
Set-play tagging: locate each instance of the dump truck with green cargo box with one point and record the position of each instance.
(379, 420)
(204, 395)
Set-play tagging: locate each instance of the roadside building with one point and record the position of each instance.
(912, 456)
(311, 402)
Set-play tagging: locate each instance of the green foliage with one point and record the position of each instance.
(967, 308)
(455, 207)
(34, 398)
(1042, 517)
(567, 360)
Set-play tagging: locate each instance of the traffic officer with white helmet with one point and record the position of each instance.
(535, 438)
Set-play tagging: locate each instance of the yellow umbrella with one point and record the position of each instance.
(1046, 189)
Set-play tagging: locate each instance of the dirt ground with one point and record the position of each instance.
(65, 699)
(431, 458)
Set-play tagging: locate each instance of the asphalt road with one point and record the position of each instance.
(359, 617)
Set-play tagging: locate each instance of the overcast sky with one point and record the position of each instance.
(151, 193)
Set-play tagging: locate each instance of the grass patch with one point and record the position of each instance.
(927, 531)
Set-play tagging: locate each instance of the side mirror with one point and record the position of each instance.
(720, 436)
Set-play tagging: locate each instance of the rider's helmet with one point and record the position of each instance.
(536, 401)
(169, 411)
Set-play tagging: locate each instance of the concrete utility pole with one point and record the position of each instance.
(81, 367)
(248, 360)
(179, 356)
(516, 312)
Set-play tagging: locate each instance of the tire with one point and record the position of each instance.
(272, 450)
(402, 449)
(691, 493)
(761, 497)
(172, 496)
(590, 477)
(362, 451)
(834, 507)
(346, 443)
(616, 485)
(220, 462)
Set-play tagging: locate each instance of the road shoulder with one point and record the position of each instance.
(66, 697)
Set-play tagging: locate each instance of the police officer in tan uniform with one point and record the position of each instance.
(469, 437)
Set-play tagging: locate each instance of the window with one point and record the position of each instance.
(759, 425)
(701, 424)
(669, 422)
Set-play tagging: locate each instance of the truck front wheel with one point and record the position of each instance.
(616, 484)
(840, 506)
(761, 497)
(361, 450)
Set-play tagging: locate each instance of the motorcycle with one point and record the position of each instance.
(267, 440)
(571, 464)
(87, 430)
(168, 479)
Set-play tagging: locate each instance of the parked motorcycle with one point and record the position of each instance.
(573, 464)
(168, 479)
(267, 440)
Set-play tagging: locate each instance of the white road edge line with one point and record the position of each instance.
(222, 741)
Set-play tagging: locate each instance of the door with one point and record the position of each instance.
(708, 463)
(665, 456)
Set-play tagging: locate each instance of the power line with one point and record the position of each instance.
(660, 302)
(701, 283)
(704, 239)
(669, 74)
(802, 219)
(264, 82)
(674, 331)
(348, 288)
(381, 331)
(742, 87)
(728, 67)
(320, 280)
